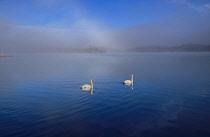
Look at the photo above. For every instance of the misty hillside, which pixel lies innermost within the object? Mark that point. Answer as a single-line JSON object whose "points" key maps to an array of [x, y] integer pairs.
{"points": [[193, 47], [97, 49], [182, 48]]}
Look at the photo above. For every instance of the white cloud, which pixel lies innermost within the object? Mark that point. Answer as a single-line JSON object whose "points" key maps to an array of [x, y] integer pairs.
{"points": [[207, 5], [191, 5]]}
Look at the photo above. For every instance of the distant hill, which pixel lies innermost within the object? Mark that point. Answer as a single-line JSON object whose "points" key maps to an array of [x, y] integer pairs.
{"points": [[182, 48], [192, 47], [97, 49]]}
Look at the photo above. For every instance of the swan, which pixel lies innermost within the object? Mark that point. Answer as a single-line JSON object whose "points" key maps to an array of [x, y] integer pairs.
{"points": [[128, 82], [87, 86]]}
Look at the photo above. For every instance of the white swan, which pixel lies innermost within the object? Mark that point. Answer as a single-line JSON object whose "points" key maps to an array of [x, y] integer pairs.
{"points": [[87, 86], [128, 82]]}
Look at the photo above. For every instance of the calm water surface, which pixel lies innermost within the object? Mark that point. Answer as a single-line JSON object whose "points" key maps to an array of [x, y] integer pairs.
{"points": [[40, 95]]}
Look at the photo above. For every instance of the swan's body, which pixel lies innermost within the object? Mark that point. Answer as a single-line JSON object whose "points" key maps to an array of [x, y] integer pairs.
{"points": [[87, 86], [129, 82]]}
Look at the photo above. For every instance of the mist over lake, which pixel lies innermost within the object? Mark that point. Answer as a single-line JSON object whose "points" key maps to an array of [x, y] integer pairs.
{"points": [[40, 95]]}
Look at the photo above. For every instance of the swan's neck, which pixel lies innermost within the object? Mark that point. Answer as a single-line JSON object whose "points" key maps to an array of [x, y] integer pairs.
{"points": [[91, 83], [132, 78]]}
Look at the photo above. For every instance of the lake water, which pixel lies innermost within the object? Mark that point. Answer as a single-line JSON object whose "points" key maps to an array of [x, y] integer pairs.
{"points": [[40, 95]]}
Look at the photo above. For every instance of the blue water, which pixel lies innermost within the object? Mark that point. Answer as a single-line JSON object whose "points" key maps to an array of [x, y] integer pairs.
{"points": [[40, 95]]}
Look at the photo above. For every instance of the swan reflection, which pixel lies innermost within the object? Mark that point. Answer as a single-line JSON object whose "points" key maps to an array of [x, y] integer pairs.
{"points": [[129, 84], [88, 89]]}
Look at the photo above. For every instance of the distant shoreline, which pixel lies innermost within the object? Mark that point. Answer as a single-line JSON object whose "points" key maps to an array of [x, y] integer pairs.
{"points": [[140, 49]]}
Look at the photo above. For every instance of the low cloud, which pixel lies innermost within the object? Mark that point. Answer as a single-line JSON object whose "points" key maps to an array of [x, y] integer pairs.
{"points": [[31, 38]]}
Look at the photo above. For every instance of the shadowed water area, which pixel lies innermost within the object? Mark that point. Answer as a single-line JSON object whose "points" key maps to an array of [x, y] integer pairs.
{"points": [[40, 95]]}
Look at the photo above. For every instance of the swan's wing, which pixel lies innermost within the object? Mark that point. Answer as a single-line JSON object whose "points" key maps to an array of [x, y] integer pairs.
{"points": [[127, 81]]}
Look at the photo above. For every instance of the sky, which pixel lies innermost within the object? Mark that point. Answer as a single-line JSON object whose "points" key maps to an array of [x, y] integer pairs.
{"points": [[61, 25]]}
